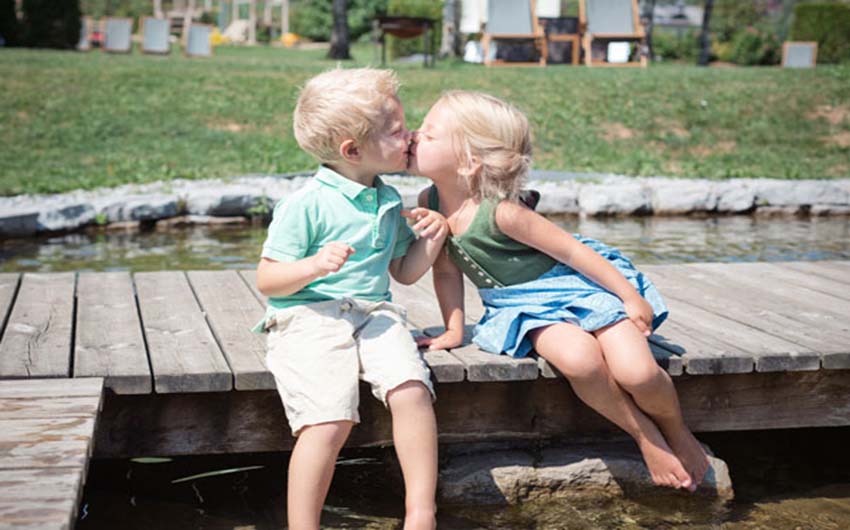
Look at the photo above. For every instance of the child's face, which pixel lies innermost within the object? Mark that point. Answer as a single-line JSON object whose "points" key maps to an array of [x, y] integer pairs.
{"points": [[433, 154], [387, 152]]}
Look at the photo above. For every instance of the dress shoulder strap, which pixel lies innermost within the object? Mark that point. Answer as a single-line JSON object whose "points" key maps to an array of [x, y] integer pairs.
{"points": [[433, 198]]}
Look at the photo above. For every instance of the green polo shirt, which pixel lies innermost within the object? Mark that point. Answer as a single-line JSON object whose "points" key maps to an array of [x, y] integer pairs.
{"points": [[331, 207]]}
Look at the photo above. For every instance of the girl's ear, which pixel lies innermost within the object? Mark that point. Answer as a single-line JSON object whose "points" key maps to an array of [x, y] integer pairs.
{"points": [[471, 168], [349, 151]]}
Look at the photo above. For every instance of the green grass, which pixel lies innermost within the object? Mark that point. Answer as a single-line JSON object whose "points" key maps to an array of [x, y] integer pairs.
{"points": [[82, 120]]}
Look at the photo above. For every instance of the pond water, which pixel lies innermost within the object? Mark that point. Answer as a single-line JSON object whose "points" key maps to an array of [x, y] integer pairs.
{"points": [[646, 240], [784, 480]]}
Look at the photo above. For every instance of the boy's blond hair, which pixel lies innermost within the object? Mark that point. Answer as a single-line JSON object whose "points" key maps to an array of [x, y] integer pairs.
{"points": [[497, 135], [342, 104]]}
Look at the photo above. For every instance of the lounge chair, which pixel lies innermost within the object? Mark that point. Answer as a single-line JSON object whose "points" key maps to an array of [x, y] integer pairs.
{"points": [[799, 54], [512, 20], [611, 20], [155, 33], [198, 40], [118, 33]]}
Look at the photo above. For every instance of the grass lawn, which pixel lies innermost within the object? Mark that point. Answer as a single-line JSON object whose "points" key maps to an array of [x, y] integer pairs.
{"points": [[82, 120]]}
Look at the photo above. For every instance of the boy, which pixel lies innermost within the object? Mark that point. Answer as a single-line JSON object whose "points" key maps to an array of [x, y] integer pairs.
{"points": [[324, 267]]}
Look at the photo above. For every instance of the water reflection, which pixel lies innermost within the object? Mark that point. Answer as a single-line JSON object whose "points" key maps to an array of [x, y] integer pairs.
{"points": [[646, 240]]}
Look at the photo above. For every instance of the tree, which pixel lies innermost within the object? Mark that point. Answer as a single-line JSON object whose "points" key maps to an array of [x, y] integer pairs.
{"points": [[8, 23], [51, 23], [450, 43], [704, 39], [339, 34]]}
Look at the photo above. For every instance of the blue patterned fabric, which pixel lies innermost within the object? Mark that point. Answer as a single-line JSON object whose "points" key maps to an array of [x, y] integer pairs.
{"points": [[559, 295]]}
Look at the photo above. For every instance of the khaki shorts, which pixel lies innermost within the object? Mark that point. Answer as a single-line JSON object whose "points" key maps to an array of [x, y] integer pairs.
{"points": [[318, 352]]}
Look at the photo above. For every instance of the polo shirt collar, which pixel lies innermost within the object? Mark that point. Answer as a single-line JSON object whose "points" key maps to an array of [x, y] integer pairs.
{"points": [[346, 186]]}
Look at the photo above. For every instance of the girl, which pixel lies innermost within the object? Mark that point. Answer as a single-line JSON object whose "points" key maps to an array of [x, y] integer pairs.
{"points": [[578, 303]]}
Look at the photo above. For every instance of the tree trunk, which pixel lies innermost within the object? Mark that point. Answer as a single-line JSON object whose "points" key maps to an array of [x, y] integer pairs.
{"points": [[704, 39], [187, 21], [252, 22], [284, 17], [339, 35], [450, 43], [157, 9], [649, 16]]}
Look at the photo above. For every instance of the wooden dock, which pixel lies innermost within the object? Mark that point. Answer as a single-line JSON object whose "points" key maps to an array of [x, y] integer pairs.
{"points": [[46, 435], [750, 346]]}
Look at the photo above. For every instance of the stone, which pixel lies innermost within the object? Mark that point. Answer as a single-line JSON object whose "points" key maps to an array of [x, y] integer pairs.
{"points": [[16, 224], [799, 193], [557, 197], [734, 197], [511, 476], [675, 197], [141, 208], [625, 197]]}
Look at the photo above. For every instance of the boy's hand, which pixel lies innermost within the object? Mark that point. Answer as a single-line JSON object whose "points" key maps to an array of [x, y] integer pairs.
{"points": [[429, 223], [331, 257], [639, 312], [449, 339]]}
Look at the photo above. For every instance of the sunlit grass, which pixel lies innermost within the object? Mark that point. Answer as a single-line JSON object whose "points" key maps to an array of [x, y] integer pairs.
{"points": [[81, 120]]}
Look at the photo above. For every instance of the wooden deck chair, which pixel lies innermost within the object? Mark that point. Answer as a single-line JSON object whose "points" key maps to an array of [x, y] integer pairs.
{"points": [[198, 40], [155, 33], [799, 54], [512, 20], [117, 35], [610, 20]]}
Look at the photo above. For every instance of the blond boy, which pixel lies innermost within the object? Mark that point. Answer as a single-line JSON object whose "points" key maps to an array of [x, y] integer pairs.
{"points": [[331, 248]]}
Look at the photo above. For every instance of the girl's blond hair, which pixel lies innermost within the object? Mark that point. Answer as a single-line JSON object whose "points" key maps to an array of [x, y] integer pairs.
{"points": [[495, 134], [342, 104]]}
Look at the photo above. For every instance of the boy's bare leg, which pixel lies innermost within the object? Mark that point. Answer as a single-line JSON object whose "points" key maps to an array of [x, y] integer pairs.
{"points": [[311, 468], [415, 438], [578, 356], [631, 363]]}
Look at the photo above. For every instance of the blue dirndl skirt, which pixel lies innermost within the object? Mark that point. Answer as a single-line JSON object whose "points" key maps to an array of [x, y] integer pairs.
{"points": [[559, 295]]}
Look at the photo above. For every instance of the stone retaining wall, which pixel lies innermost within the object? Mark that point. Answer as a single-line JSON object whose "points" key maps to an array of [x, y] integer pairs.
{"points": [[562, 193]]}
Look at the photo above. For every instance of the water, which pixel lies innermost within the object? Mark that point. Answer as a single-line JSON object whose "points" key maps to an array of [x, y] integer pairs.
{"points": [[784, 480], [646, 240]]}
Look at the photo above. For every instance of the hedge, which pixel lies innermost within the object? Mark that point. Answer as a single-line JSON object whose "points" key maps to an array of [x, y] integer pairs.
{"points": [[829, 25]]}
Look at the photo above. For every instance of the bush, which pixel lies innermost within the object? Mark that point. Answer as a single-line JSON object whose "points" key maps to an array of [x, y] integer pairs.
{"points": [[829, 25], [51, 23], [8, 23], [672, 47], [755, 46], [414, 8]]}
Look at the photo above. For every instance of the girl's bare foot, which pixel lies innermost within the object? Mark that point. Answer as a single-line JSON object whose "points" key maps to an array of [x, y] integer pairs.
{"points": [[690, 453], [664, 467]]}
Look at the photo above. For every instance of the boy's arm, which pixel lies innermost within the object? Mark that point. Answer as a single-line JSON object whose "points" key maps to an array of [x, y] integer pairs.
{"points": [[276, 278], [432, 228]]}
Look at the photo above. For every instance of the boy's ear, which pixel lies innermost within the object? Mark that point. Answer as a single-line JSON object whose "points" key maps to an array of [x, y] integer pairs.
{"points": [[349, 151]]}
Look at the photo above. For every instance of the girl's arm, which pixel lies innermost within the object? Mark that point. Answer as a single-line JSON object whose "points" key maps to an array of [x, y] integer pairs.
{"points": [[536, 231], [448, 284]]}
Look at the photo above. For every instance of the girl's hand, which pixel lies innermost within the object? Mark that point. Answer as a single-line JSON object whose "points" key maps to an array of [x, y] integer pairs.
{"points": [[331, 257], [449, 339], [640, 312], [429, 223]]}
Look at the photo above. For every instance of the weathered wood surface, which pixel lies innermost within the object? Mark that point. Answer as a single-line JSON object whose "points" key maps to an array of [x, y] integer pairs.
{"points": [[47, 431], [544, 408], [37, 340], [109, 341], [189, 332], [183, 352]]}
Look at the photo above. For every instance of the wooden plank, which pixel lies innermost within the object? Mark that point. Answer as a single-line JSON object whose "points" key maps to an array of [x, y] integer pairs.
{"points": [[807, 280], [109, 340], [183, 353], [422, 309], [57, 388], [8, 289], [838, 271], [46, 442], [779, 284], [250, 278], [232, 310], [715, 344], [48, 407], [40, 498], [757, 308], [37, 340], [543, 408]]}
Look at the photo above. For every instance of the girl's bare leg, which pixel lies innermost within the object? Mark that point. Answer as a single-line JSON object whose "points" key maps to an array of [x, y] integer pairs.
{"points": [[631, 363], [578, 356], [415, 438], [311, 468]]}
